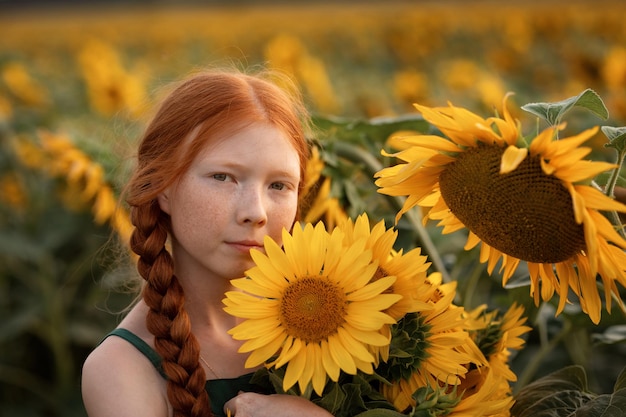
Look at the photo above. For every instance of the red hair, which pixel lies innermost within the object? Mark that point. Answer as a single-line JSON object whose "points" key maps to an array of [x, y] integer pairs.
{"points": [[207, 104]]}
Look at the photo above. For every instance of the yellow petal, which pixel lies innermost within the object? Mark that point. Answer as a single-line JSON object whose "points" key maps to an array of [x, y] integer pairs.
{"points": [[263, 353], [340, 356], [331, 367], [295, 368], [357, 349], [511, 158], [319, 374]]}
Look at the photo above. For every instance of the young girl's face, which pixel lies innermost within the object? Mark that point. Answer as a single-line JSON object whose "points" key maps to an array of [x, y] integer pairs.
{"points": [[239, 189]]}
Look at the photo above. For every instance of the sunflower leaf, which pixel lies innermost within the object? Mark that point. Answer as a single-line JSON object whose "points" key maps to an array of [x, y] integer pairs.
{"points": [[616, 136], [553, 112], [620, 383], [560, 393], [333, 400], [606, 405]]}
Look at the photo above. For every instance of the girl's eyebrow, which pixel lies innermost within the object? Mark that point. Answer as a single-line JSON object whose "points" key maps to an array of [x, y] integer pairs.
{"points": [[237, 165]]}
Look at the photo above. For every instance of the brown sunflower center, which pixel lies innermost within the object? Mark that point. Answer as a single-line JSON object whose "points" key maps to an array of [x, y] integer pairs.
{"points": [[312, 309], [525, 213]]}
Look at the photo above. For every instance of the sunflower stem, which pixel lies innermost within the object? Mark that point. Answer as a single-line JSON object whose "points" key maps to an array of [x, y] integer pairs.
{"points": [[472, 283], [546, 348], [610, 191], [308, 391], [372, 166]]}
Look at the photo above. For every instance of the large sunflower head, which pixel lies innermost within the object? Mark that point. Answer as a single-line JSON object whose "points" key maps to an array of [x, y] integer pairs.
{"points": [[521, 203], [312, 306]]}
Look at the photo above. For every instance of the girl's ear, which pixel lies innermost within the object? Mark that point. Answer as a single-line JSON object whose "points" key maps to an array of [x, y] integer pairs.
{"points": [[164, 201]]}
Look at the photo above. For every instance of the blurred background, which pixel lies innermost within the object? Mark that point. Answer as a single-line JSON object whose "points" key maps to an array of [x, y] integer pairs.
{"points": [[77, 82]]}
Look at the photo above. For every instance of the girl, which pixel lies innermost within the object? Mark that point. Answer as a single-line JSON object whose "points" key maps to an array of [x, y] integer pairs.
{"points": [[219, 167]]}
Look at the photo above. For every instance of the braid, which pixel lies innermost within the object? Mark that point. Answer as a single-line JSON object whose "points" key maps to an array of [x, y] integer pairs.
{"points": [[167, 319]]}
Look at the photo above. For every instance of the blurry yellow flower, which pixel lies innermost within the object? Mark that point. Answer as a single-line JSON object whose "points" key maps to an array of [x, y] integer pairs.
{"points": [[289, 54], [460, 74], [110, 86], [527, 204], [314, 168], [315, 200], [325, 208], [29, 154], [410, 86], [86, 183], [6, 110], [613, 68], [23, 86], [313, 304], [490, 89], [12, 191]]}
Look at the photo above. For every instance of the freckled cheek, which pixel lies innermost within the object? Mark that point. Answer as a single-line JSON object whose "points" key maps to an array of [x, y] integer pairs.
{"points": [[200, 215], [282, 217]]}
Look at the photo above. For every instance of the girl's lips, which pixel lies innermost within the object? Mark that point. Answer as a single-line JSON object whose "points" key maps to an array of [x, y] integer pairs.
{"points": [[245, 246]]}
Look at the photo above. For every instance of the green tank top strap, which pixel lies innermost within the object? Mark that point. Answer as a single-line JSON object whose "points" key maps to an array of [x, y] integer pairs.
{"points": [[141, 346], [219, 390]]}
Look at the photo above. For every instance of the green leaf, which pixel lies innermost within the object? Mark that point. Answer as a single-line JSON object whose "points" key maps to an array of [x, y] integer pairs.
{"points": [[333, 400], [620, 383], [616, 136], [565, 390], [553, 112], [606, 405], [362, 131]]}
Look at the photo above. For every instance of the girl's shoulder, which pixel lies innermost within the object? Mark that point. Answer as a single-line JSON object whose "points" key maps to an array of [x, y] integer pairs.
{"points": [[118, 378]]}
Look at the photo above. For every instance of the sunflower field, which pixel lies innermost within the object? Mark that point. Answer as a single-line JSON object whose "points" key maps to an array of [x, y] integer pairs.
{"points": [[494, 82]]}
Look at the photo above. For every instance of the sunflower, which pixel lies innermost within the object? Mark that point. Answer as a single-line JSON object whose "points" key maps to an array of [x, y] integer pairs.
{"points": [[311, 306], [316, 202], [410, 270], [521, 203], [429, 348], [484, 393], [498, 334]]}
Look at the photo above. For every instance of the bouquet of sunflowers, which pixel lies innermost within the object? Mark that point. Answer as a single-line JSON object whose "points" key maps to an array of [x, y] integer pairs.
{"points": [[341, 316]]}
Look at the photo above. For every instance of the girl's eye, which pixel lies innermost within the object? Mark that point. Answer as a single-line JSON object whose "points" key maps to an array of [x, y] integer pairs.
{"points": [[220, 177], [278, 186]]}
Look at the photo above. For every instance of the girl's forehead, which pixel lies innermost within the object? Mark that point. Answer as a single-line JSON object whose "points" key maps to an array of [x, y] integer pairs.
{"points": [[252, 142]]}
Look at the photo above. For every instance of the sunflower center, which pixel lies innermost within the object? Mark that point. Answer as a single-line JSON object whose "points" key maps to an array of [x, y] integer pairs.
{"points": [[525, 213], [312, 309]]}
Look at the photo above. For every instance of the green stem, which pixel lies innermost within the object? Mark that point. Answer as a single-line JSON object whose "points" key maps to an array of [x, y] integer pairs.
{"points": [[610, 191], [472, 283], [531, 367], [373, 165]]}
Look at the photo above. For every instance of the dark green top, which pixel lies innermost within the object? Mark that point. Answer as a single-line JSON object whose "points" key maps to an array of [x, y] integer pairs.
{"points": [[219, 390]]}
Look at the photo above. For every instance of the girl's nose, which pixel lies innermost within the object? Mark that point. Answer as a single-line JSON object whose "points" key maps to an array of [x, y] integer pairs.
{"points": [[251, 207]]}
